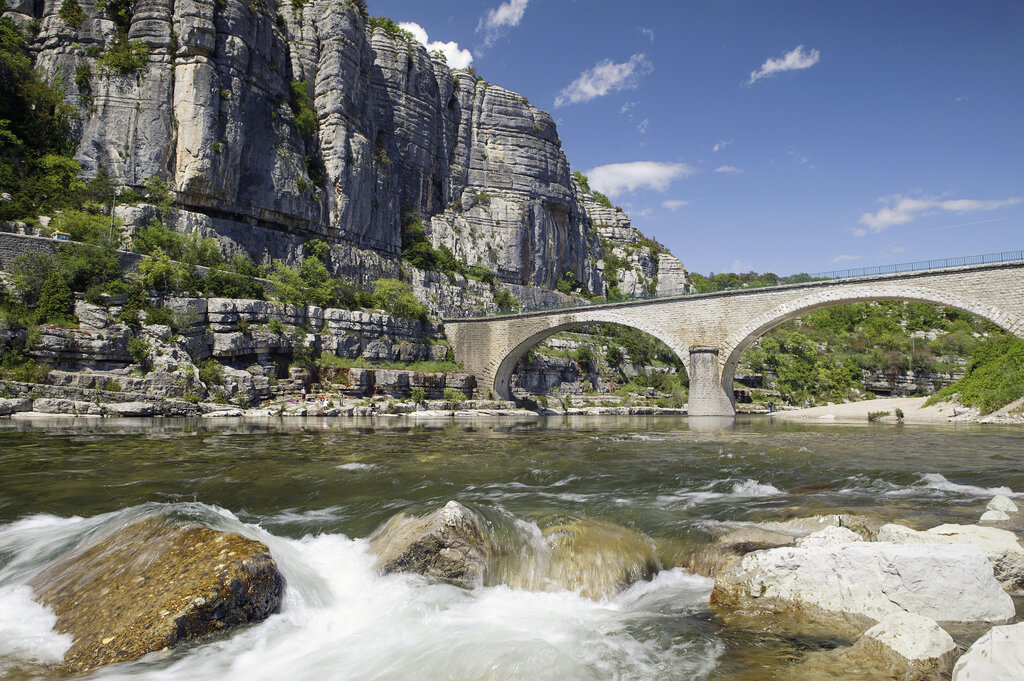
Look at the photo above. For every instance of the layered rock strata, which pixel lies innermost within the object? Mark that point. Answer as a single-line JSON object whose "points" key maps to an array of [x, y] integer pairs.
{"points": [[276, 124]]}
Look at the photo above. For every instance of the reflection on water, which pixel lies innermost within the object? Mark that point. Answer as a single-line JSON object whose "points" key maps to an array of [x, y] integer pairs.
{"points": [[314, 489]]}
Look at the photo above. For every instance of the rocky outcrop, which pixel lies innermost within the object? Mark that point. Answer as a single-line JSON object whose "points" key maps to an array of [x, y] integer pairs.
{"points": [[450, 545], [1002, 547], [996, 656], [273, 124], [153, 584], [857, 584]]}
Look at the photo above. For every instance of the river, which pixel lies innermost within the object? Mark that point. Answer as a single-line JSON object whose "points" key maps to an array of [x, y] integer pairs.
{"points": [[313, 490]]}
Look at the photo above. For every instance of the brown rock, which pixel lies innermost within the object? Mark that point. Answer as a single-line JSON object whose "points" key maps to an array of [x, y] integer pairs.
{"points": [[451, 545], [155, 583]]}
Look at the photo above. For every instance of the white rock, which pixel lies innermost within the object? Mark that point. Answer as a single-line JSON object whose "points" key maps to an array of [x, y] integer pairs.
{"points": [[1002, 503], [914, 637], [994, 517], [869, 580], [830, 536], [1002, 547], [996, 656]]}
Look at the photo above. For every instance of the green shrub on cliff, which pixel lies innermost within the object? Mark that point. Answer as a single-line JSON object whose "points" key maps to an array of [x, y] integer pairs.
{"points": [[396, 297]]}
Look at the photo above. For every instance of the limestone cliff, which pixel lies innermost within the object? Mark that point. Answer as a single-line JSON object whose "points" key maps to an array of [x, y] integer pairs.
{"points": [[276, 124]]}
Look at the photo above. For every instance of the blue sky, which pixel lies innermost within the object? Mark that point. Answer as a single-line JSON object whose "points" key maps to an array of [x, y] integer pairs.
{"points": [[772, 136]]}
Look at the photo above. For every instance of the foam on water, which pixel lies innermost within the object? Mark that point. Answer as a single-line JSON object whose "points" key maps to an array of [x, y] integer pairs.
{"points": [[26, 628], [340, 619], [743, 488]]}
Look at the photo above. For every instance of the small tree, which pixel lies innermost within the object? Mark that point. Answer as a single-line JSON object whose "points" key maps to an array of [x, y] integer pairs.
{"points": [[56, 302]]}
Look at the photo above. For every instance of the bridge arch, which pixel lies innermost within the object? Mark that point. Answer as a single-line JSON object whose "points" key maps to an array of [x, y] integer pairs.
{"points": [[531, 336], [740, 340]]}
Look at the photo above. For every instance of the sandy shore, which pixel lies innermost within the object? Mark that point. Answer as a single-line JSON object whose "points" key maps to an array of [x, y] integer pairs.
{"points": [[913, 408]]}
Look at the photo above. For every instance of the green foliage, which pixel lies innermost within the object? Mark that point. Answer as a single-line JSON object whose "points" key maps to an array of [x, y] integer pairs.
{"points": [[275, 326], [396, 297], [601, 199], [305, 116], [439, 55], [124, 56], [211, 372], [158, 193], [877, 415], [505, 301], [391, 28], [583, 180], [418, 252], [160, 273], [418, 395], [732, 280], [454, 396], [56, 302], [138, 350], [120, 12], [994, 377], [35, 135], [71, 13], [482, 273], [82, 226]]}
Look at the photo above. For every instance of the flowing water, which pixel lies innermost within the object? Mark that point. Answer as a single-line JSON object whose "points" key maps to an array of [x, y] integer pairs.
{"points": [[314, 490]]}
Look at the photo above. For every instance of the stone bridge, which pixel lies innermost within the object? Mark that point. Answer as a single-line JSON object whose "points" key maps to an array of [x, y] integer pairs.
{"points": [[710, 332]]}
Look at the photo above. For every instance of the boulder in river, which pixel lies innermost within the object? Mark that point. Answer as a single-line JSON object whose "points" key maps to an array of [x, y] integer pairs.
{"points": [[736, 540], [155, 583], [1001, 546], [996, 656], [598, 558], [1002, 503], [858, 584], [901, 646], [450, 545]]}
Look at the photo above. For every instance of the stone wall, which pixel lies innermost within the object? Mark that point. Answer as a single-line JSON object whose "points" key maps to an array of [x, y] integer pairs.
{"points": [[13, 246]]}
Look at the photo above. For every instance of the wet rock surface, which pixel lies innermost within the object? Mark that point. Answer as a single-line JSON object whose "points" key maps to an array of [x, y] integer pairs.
{"points": [[450, 545], [153, 584]]}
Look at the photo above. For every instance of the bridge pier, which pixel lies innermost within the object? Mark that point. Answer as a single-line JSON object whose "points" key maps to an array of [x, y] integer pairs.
{"points": [[708, 395]]}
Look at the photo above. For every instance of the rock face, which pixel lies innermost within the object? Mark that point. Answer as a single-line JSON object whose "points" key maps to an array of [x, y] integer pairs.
{"points": [[1001, 546], [862, 582], [153, 584], [274, 124], [996, 656], [450, 545]]}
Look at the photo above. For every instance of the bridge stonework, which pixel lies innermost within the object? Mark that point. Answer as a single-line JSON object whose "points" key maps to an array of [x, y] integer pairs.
{"points": [[710, 332]]}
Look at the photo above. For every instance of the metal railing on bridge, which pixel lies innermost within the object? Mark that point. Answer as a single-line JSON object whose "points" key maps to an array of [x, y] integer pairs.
{"points": [[918, 266]]}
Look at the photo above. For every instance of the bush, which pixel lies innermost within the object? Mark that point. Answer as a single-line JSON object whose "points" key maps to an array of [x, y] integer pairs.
{"points": [[139, 349], [124, 56], [454, 396], [418, 395], [56, 302], [505, 301], [211, 372], [396, 297], [71, 12]]}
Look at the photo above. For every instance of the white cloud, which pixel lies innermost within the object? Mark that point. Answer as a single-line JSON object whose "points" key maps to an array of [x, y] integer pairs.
{"points": [[902, 209], [642, 126], [794, 60], [721, 144], [845, 258], [457, 58], [674, 204], [645, 213], [799, 157], [606, 77], [649, 32], [625, 108], [728, 169], [498, 20], [739, 267], [615, 178]]}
